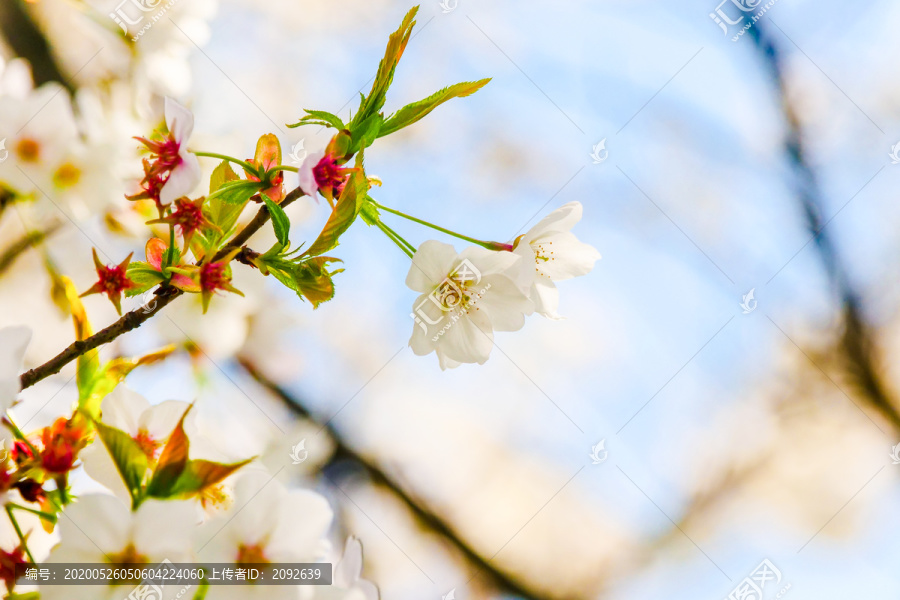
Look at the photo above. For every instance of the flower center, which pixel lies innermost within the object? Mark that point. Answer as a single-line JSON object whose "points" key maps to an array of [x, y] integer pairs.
{"points": [[327, 173], [251, 555], [28, 149], [214, 497], [212, 276], [128, 556], [149, 446], [114, 279], [168, 153], [67, 175], [542, 254]]}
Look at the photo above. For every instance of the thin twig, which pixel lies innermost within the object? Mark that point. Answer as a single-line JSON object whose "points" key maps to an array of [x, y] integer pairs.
{"points": [[134, 319], [343, 452]]}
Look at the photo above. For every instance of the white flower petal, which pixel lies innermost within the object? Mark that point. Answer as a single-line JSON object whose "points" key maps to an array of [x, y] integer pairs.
{"points": [[123, 408], [162, 529], [182, 180], [570, 257], [96, 525], [467, 340], [562, 219], [546, 299], [307, 180], [160, 420], [13, 342], [504, 303], [431, 264], [179, 120]]}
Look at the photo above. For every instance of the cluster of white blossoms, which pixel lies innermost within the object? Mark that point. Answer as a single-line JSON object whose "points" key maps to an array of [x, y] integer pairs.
{"points": [[467, 296], [249, 518]]}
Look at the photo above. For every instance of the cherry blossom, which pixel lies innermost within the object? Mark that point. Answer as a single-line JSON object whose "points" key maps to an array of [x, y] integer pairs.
{"points": [[171, 156], [464, 298], [551, 252]]}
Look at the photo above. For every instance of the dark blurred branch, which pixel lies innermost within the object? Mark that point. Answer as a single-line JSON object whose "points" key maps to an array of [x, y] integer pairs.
{"points": [[26, 39], [18, 247], [431, 520], [856, 344]]}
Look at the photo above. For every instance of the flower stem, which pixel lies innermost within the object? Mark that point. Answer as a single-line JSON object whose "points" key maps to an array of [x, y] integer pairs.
{"points": [[285, 168], [236, 161], [42, 514], [18, 529], [482, 243], [401, 243]]}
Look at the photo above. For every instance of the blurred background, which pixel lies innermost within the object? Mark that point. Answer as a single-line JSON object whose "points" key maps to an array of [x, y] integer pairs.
{"points": [[733, 350]]}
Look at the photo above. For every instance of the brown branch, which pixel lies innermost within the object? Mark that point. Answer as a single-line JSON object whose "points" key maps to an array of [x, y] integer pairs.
{"points": [[431, 520], [134, 319]]}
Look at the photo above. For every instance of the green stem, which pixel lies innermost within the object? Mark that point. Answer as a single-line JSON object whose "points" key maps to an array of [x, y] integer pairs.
{"points": [[285, 168], [21, 436], [167, 254], [399, 237], [18, 529], [482, 243], [236, 161], [394, 238], [43, 514]]}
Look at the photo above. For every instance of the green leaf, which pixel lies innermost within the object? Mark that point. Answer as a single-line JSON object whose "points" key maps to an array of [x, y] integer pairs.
{"points": [[314, 280], [411, 113], [280, 222], [286, 278], [114, 372], [365, 133], [172, 461], [385, 75], [199, 475], [320, 117], [220, 213], [128, 457], [369, 212], [236, 192], [144, 276], [221, 175], [344, 213]]}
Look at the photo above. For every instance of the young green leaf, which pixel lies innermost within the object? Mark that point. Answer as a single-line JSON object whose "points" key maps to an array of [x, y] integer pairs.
{"points": [[280, 222], [365, 133], [411, 113], [172, 461], [199, 475], [143, 276], [110, 375], [397, 41], [236, 192], [344, 213], [130, 460], [314, 280], [320, 117]]}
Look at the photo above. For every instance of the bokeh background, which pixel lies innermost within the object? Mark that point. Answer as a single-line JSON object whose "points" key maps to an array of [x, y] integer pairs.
{"points": [[733, 436]]}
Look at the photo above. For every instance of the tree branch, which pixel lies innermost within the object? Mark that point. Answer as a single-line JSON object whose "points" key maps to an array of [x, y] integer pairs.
{"points": [[431, 520], [856, 343], [135, 318]]}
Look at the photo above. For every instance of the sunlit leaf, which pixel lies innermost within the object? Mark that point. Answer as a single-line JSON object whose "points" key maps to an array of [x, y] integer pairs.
{"points": [[321, 118], [314, 280], [280, 222], [130, 460], [373, 103], [172, 461], [344, 213], [111, 374], [198, 475], [411, 113]]}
